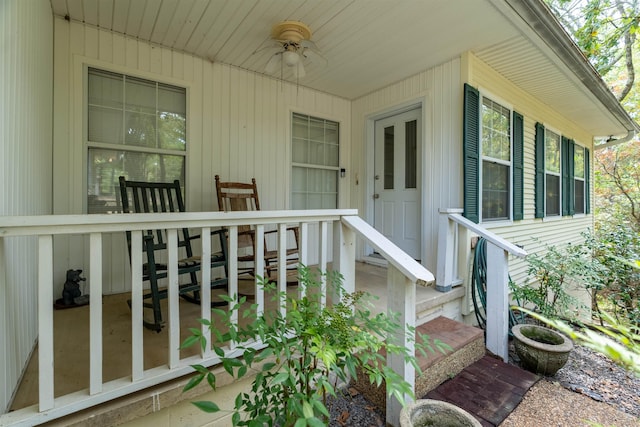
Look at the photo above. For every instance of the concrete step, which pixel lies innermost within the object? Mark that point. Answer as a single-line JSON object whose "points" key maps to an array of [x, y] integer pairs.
{"points": [[467, 343]]}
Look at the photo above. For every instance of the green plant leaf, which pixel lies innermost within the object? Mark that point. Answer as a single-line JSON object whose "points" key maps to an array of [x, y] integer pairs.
{"points": [[194, 381], [189, 341], [206, 406], [315, 422]]}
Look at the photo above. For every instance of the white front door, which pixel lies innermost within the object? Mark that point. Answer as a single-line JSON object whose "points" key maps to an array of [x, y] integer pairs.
{"points": [[397, 176]]}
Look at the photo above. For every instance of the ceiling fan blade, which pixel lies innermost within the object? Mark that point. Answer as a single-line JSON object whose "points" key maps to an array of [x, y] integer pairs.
{"points": [[298, 70], [272, 65], [314, 56], [271, 45]]}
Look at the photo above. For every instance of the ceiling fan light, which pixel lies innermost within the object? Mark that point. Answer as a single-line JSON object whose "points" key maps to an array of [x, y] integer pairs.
{"points": [[290, 58]]}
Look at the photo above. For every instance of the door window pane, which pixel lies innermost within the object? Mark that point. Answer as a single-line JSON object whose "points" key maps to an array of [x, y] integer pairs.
{"points": [[411, 154], [389, 158]]}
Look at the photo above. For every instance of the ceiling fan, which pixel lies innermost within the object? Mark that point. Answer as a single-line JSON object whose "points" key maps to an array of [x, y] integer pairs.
{"points": [[293, 47]]}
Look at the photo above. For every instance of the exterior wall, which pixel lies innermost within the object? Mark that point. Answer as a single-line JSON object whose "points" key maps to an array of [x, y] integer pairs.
{"points": [[26, 92], [531, 233], [440, 92], [238, 126]]}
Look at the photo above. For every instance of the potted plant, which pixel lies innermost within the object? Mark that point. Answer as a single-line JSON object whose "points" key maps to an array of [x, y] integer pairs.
{"points": [[546, 291], [308, 351], [430, 412]]}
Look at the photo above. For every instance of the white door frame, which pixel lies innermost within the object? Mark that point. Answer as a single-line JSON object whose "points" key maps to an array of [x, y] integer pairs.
{"points": [[369, 146]]}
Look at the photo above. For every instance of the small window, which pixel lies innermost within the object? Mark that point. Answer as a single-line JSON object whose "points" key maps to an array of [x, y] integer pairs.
{"points": [[136, 128], [496, 160], [552, 173], [579, 179], [315, 163]]}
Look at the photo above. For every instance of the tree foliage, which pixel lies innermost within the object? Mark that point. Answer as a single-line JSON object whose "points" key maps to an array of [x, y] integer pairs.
{"points": [[606, 31]]}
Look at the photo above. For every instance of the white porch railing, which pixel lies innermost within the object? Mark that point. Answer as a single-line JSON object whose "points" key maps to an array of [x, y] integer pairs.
{"points": [[403, 274], [453, 235]]}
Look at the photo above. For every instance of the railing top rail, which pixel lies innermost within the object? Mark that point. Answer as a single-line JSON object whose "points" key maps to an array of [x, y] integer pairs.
{"points": [[491, 237], [396, 256], [79, 224]]}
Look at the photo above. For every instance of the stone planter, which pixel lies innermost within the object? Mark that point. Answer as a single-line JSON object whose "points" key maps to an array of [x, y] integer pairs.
{"points": [[429, 412], [541, 350]]}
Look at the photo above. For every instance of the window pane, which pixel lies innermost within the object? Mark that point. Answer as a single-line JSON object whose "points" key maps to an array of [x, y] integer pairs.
{"points": [[140, 95], [411, 154], [315, 154], [138, 113], [388, 157], [496, 130], [552, 152], [105, 89], [495, 191], [552, 194], [105, 166], [140, 129], [579, 196], [105, 125], [578, 162], [172, 131]]}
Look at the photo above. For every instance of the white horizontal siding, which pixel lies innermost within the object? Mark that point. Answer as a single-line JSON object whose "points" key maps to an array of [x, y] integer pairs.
{"points": [[25, 173], [238, 126]]}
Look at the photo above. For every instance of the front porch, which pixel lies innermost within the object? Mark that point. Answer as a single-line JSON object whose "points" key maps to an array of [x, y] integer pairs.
{"points": [[71, 346], [101, 353]]}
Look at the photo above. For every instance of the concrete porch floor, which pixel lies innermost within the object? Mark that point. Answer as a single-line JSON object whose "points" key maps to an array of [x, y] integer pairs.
{"points": [[71, 335]]}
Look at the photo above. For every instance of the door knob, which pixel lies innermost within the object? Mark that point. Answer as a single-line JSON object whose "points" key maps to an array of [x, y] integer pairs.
{"points": [[376, 196], [377, 177]]}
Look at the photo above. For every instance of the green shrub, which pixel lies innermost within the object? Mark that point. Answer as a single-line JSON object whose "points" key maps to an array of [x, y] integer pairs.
{"points": [[612, 245], [551, 274], [308, 350]]}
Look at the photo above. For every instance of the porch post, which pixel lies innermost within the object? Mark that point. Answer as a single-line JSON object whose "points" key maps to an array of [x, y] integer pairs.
{"points": [[45, 322], [401, 292], [344, 256], [497, 301], [446, 250]]}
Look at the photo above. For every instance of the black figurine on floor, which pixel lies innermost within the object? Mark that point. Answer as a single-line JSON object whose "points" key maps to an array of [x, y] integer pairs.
{"points": [[72, 287]]}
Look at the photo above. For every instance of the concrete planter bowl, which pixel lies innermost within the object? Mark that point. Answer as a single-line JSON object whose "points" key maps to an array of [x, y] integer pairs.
{"points": [[541, 350], [429, 412]]}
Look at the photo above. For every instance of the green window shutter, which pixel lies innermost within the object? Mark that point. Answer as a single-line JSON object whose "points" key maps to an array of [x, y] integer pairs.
{"points": [[471, 153], [518, 166], [564, 161], [587, 178], [539, 177], [572, 168]]}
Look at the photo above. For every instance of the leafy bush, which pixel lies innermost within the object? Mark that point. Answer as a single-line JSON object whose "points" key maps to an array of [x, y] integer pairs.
{"points": [[612, 245], [550, 275], [308, 350]]}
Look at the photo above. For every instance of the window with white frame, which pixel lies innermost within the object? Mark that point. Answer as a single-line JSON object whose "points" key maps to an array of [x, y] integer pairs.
{"points": [[496, 160], [552, 173], [315, 162], [136, 128], [579, 179]]}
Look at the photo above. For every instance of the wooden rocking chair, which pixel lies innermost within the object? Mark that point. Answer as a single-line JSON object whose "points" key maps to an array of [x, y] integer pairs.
{"points": [[238, 196], [146, 197]]}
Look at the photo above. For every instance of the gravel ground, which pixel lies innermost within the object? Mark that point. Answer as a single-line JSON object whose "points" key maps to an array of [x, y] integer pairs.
{"points": [[589, 389]]}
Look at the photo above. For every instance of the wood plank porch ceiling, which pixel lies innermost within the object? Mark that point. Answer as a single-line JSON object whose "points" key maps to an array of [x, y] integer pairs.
{"points": [[369, 44]]}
